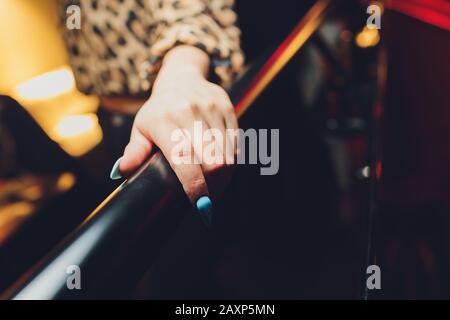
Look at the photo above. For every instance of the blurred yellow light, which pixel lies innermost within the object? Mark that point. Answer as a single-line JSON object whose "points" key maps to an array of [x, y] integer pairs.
{"points": [[367, 38], [47, 85], [65, 181], [72, 126], [32, 193], [11, 216], [77, 134]]}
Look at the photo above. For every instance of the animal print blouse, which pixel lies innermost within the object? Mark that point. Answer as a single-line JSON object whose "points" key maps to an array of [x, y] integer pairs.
{"points": [[119, 48]]}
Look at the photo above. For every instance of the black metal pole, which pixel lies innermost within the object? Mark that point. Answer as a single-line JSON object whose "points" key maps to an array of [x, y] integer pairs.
{"points": [[115, 245]]}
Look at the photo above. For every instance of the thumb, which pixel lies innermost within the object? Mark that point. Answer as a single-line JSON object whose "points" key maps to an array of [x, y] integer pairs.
{"points": [[135, 154]]}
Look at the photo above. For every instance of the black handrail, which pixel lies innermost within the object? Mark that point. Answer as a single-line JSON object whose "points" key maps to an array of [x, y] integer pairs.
{"points": [[117, 243], [125, 233]]}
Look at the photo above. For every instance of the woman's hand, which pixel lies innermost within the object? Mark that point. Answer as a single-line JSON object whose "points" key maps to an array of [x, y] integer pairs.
{"points": [[181, 96]]}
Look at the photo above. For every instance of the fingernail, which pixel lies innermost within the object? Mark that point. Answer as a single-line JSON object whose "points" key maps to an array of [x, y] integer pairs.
{"points": [[204, 207], [115, 173]]}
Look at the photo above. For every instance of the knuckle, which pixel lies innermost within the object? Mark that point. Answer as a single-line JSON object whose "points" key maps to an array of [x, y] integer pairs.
{"points": [[217, 88], [185, 106], [228, 107], [167, 116], [222, 93], [194, 186], [210, 106], [194, 107]]}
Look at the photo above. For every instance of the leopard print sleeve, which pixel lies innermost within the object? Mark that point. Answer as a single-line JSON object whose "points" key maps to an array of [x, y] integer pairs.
{"points": [[205, 24]]}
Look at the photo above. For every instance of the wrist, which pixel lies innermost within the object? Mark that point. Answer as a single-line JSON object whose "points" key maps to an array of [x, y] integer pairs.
{"points": [[184, 58], [178, 75]]}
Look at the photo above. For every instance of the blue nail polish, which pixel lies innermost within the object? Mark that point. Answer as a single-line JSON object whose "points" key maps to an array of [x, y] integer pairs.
{"points": [[204, 206], [115, 173]]}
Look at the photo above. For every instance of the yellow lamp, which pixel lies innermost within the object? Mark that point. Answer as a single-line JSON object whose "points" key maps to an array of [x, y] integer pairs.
{"points": [[34, 70]]}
